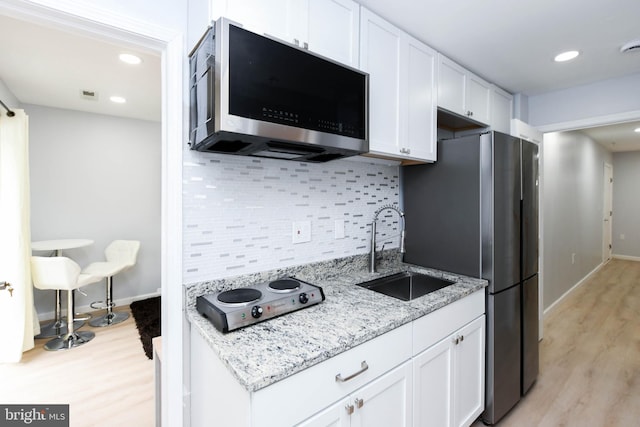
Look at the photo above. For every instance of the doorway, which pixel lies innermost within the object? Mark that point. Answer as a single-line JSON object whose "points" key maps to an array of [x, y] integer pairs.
{"points": [[169, 44]]}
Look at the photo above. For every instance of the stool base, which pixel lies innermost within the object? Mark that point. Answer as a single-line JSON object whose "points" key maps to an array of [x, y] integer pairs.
{"points": [[69, 341], [57, 329], [109, 319]]}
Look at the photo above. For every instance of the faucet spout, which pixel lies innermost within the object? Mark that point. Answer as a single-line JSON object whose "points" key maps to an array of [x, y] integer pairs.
{"points": [[372, 253]]}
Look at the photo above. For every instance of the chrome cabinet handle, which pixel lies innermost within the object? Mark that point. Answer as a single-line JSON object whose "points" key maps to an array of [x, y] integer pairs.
{"points": [[363, 367], [349, 409], [359, 403]]}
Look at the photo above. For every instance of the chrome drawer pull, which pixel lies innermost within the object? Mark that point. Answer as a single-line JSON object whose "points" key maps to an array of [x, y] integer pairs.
{"points": [[363, 367]]}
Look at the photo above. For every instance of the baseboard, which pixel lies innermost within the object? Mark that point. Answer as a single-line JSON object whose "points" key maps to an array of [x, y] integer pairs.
{"points": [[574, 287], [626, 257], [87, 308]]}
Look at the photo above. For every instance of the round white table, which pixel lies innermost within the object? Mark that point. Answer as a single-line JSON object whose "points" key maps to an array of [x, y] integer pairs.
{"points": [[58, 327], [59, 245]]}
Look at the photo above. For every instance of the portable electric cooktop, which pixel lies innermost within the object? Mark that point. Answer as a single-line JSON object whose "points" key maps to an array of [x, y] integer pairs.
{"points": [[240, 307]]}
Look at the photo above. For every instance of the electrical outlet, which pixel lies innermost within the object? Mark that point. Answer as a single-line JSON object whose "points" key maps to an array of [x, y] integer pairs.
{"points": [[622, 236], [573, 258], [301, 232], [339, 229]]}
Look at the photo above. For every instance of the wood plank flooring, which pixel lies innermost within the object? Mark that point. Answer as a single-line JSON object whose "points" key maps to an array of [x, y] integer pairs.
{"points": [[589, 357], [107, 382]]}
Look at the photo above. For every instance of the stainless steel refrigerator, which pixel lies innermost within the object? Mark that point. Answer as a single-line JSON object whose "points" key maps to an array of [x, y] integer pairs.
{"points": [[475, 212]]}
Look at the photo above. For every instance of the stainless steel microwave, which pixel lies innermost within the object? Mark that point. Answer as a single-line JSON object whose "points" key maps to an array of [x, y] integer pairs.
{"points": [[254, 95]]}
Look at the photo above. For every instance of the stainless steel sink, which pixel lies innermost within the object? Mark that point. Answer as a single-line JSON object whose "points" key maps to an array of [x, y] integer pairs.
{"points": [[407, 285]]}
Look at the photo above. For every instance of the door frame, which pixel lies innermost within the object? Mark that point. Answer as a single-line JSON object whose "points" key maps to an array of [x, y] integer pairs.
{"points": [[105, 24], [607, 213]]}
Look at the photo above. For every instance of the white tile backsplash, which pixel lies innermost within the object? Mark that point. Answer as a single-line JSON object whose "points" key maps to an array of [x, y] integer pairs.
{"points": [[239, 212]]}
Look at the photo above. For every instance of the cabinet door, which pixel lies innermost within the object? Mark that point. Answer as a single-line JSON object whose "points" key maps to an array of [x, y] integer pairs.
{"points": [[385, 401], [420, 93], [501, 106], [451, 85], [432, 392], [337, 415], [281, 19], [380, 57], [478, 99], [333, 30], [468, 373]]}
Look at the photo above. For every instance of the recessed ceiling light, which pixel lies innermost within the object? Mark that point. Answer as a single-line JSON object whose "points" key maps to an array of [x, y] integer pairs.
{"points": [[130, 58], [566, 56], [118, 99], [637, 130]]}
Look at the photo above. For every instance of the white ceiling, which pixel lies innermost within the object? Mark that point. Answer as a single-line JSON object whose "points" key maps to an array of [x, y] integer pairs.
{"points": [[49, 67], [510, 43]]}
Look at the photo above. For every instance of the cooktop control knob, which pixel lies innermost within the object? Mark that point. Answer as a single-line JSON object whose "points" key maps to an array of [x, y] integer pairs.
{"points": [[304, 298], [256, 311]]}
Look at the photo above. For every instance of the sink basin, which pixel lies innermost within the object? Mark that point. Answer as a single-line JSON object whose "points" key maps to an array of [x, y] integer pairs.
{"points": [[407, 285]]}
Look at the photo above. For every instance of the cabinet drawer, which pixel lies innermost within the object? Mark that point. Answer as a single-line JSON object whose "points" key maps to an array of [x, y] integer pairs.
{"points": [[316, 388], [431, 328]]}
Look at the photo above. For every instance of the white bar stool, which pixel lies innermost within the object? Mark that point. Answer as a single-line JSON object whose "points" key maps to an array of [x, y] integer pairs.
{"points": [[121, 255], [62, 273]]}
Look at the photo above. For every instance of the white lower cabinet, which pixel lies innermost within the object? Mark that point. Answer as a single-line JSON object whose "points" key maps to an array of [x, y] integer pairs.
{"points": [[427, 372], [449, 379], [386, 401]]}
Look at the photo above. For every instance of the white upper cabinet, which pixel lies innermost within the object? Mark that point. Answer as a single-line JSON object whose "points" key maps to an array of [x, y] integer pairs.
{"points": [[326, 27], [334, 30], [462, 92], [452, 83], [421, 94], [402, 90], [380, 57], [501, 109], [478, 99]]}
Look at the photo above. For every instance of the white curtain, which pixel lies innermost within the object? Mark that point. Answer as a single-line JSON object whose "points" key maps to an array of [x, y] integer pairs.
{"points": [[18, 321]]}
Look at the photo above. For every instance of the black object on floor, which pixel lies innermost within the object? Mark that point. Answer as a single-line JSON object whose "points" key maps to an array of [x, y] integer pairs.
{"points": [[146, 313]]}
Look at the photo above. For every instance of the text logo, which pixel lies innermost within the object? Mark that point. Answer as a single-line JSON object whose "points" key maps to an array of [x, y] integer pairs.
{"points": [[34, 415]]}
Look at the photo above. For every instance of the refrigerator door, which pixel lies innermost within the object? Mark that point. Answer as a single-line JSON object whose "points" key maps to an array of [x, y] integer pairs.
{"points": [[441, 205], [506, 212], [530, 353], [529, 209], [503, 354]]}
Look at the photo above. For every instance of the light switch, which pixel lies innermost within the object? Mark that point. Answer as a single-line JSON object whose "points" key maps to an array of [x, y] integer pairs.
{"points": [[301, 231]]}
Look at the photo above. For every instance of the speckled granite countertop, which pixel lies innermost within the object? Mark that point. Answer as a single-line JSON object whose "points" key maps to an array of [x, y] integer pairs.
{"points": [[264, 353]]}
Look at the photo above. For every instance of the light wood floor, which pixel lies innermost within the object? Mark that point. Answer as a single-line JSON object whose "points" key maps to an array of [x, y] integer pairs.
{"points": [[107, 382], [589, 357]]}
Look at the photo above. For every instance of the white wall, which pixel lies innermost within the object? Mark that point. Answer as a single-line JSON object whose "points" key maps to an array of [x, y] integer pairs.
{"points": [[626, 204], [238, 212], [572, 203], [98, 177], [594, 101]]}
